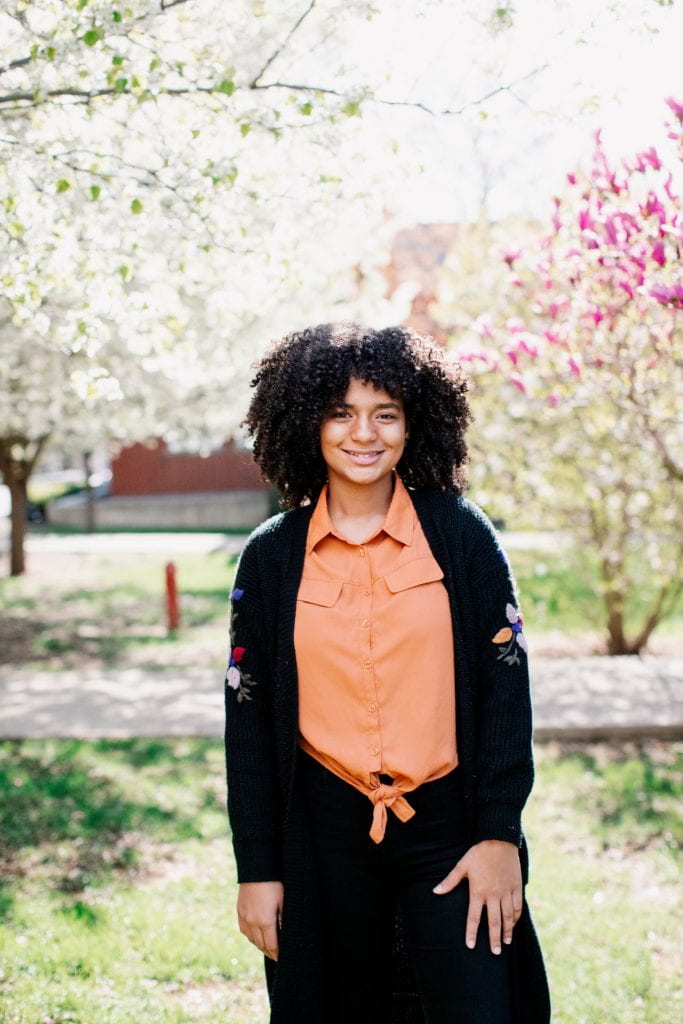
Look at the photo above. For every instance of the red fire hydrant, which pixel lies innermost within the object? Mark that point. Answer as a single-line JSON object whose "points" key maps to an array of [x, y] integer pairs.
{"points": [[172, 610]]}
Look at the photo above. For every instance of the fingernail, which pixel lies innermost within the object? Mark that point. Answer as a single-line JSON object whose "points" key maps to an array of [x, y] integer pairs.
{"points": [[496, 949], [470, 943], [438, 888], [507, 941]]}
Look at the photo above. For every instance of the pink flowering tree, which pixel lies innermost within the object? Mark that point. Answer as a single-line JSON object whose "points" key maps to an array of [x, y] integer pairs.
{"points": [[577, 358]]}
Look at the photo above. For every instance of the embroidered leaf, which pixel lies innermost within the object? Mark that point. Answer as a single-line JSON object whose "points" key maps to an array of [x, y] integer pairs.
{"points": [[521, 640], [503, 635]]}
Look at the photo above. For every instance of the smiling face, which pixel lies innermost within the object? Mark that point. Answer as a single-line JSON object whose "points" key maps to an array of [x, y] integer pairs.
{"points": [[363, 438]]}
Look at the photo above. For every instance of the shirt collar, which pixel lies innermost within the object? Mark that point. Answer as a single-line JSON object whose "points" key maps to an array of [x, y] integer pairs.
{"points": [[399, 522]]}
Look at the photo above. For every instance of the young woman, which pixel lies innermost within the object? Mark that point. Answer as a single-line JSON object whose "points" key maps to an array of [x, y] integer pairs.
{"points": [[378, 719]]}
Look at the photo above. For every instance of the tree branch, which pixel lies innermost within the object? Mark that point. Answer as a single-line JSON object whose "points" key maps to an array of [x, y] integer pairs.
{"points": [[255, 82]]}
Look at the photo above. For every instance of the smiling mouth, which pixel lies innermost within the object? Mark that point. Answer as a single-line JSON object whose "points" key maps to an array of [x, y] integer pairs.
{"points": [[363, 456]]}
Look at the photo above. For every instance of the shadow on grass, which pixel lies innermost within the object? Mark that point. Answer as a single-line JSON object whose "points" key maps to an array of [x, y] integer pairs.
{"points": [[77, 811], [632, 791]]}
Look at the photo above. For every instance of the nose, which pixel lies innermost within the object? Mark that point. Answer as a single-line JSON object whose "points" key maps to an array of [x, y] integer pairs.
{"points": [[363, 428]]}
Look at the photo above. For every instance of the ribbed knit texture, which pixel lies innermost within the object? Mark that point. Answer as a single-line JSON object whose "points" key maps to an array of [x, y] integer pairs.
{"points": [[494, 734]]}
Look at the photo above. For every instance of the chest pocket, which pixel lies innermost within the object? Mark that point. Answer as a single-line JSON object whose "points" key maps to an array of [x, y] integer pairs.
{"points": [[321, 592], [412, 574]]}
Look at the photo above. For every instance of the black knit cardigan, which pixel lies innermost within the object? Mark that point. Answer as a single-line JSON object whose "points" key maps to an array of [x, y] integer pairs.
{"points": [[270, 834]]}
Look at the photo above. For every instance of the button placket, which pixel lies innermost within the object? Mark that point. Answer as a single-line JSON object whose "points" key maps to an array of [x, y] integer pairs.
{"points": [[371, 703]]}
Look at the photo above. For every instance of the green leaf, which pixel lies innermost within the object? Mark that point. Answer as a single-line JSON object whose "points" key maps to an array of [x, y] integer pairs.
{"points": [[124, 271], [245, 128], [306, 108], [92, 36], [351, 109], [136, 206], [35, 49], [95, 191], [120, 84], [81, 4], [50, 52], [154, 64], [117, 17], [117, 60], [227, 86], [63, 185]]}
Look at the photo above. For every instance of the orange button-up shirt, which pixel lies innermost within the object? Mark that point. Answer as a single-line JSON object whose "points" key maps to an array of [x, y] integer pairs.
{"points": [[374, 650]]}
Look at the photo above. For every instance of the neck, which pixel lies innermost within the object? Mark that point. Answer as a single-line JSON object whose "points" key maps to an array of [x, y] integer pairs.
{"points": [[358, 501]]}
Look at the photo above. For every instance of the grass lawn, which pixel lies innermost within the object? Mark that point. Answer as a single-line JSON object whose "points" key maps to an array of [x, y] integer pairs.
{"points": [[117, 901], [72, 610]]}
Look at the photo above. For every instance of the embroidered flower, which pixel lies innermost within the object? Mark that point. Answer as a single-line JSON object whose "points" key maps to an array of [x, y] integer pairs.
{"points": [[235, 677], [511, 636]]}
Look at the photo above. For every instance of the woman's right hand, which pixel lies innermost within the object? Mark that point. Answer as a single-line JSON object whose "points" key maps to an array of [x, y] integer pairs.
{"points": [[259, 912]]}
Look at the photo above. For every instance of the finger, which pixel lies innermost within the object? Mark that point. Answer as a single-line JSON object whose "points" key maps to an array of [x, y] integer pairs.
{"points": [[493, 914], [270, 944], [452, 879], [517, 903], [508, 917], [473, 919]]}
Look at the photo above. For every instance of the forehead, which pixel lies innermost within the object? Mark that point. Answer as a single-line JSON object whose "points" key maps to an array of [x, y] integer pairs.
{"points": [[360, 392]]}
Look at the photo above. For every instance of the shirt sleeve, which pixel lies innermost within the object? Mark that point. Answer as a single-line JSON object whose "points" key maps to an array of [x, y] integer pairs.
{"points": [[253, 792], [504, 770]]}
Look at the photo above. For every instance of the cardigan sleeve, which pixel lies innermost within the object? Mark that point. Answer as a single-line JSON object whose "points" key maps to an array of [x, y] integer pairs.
{"points": [[253, 797], [504, 770]]}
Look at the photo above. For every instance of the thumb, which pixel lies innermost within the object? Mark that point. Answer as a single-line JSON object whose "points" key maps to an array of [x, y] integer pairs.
{"points": [[452, 879]]}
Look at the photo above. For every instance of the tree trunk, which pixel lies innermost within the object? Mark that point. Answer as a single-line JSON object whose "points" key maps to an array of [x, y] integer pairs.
{"points": [[89, 495], [17, 488], [18, 457]]}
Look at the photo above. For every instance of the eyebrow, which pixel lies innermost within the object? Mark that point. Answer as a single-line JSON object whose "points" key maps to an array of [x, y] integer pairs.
{"points": [[380, 405]]}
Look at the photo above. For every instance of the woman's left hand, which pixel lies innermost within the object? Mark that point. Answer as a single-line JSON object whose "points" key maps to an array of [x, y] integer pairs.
{"points": [[495, 878]]}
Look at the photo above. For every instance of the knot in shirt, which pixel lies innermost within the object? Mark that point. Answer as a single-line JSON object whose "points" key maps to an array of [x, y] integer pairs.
{"points": [[383, 796]]}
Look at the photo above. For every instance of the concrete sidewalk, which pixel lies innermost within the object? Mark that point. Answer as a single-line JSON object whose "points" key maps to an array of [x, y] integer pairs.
{"points": [[574, 698]]}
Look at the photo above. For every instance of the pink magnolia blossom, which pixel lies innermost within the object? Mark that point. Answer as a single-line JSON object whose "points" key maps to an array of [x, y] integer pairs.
{"points": [[515, 325], [571, 178], [659, 253], [574, 367], [651, 157], [668, 295], [527, 344], [510, 255], [626, 287], [675, 107], [517, 382], [553, 399], [484, 326]]}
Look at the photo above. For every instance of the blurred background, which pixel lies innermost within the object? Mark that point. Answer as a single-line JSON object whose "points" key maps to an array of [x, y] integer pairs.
{"points": [[182, 182]]}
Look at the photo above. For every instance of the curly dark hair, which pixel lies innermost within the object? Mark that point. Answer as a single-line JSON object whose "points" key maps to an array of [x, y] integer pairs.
{"points": [[306, 373]]}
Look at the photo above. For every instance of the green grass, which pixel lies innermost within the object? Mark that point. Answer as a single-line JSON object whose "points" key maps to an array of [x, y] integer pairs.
{"points": [[117, 902], [108, 610]]}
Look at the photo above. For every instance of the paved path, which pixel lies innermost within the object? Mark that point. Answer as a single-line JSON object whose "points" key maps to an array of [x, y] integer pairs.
{"points": [[574, 698]]}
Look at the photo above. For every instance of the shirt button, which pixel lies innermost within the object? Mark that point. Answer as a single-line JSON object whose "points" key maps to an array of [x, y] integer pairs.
{"points": [[372, 707], [361, 552], [367, 664], [375, 751], [366, 593], [366, 622]]}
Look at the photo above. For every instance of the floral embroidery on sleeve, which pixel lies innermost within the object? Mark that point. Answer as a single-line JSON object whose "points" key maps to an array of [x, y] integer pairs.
{"points": [[511, 636], [235, 677]]}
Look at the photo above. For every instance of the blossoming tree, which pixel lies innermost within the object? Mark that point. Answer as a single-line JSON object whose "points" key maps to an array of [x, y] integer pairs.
{"points": [[580, 354], [167, 203]]}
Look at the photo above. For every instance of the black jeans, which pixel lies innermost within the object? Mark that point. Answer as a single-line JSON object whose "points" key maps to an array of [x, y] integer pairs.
{"points": [[361, 885]]}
